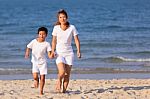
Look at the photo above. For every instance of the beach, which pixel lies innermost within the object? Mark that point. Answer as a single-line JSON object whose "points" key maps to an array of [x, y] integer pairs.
{"points": [[78, 89], [114, 36]]}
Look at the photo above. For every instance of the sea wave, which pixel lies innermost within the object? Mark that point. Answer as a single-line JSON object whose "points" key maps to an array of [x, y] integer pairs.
{"points": [[123, 59], [137, 53], [125, 28], [116, 59]]}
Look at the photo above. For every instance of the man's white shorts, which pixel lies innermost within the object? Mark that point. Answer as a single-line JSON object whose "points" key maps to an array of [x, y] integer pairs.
{"points": [[39, 68], [66, 59]]}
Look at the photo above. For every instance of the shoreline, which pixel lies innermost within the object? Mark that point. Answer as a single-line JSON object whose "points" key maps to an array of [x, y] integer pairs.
{"points": [[78, 89], [98, 76], [20, 71]]}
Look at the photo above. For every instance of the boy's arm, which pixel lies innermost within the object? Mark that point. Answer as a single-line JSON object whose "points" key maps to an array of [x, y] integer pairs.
{"points": [[77, 42], [49, 54], [27, 53]]}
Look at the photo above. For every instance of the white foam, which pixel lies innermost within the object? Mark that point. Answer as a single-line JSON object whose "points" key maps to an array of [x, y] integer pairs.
{"points": [[134, 60]]}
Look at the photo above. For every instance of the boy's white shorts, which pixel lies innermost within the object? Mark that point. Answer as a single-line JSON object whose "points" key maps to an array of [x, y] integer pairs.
{"points": [[39, 68], [66, 59]]}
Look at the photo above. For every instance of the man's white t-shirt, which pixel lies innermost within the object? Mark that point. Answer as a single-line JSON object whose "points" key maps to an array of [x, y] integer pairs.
{"points": [[64, 39], [39, 50]]}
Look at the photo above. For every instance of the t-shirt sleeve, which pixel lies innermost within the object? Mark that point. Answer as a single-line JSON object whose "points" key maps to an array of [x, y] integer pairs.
{"points": [[74, 31], [48, 47], [54, 32], [30, 45]]}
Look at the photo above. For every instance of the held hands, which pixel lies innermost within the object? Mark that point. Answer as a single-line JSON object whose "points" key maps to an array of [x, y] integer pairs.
{"points": [[53, 54]]}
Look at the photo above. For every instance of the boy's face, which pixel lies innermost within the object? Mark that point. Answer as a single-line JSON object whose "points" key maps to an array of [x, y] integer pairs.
{"points": [[42, 35]]}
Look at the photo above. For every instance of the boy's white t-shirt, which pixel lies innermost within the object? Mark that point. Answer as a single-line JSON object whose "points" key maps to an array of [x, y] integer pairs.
{"points": [[64, 39], [39, 50]]}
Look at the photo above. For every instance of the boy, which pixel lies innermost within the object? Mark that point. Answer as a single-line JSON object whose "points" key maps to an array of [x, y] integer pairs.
{"points": [[39, 48]]}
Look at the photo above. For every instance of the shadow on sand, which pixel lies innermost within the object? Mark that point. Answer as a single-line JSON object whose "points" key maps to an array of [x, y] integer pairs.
{"points": [[101, 90]]}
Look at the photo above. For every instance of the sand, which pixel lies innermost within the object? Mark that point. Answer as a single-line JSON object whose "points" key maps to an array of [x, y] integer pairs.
{"points": [[78, 89]]}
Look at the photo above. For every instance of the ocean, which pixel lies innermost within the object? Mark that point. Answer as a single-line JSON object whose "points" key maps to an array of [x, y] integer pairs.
{"points": [[114, 34]]}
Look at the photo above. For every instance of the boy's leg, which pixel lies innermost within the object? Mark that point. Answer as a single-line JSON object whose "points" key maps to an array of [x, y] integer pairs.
{"points": [[66, 77], [42, 83], [36, 80]]}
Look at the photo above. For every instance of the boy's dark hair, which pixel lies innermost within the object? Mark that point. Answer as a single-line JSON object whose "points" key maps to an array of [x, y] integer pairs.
{"points": [[43, 29]]}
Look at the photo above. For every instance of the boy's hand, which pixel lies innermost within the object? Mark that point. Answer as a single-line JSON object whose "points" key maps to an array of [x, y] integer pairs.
{"points": [[52, 55], [26, 56], [27, 53]]}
